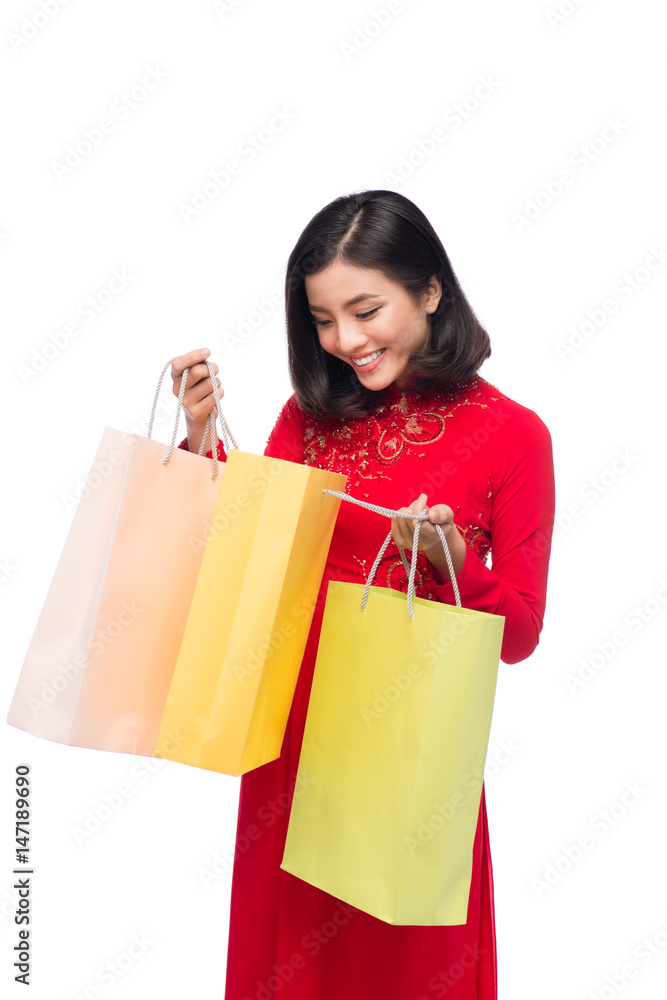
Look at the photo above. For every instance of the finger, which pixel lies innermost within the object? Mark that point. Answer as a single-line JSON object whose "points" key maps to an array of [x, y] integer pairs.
{"points": [[188, 360], [196, 373], [419, 504], [399, 532], [202, 391], [401, 526], [199, 412], [416, 507], [200, 373], [441, 514], [405, 532], [197, 386]]}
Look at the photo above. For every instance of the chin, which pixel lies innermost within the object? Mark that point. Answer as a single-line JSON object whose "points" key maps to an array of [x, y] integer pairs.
{"points": [[377, 375], [375, 384]]}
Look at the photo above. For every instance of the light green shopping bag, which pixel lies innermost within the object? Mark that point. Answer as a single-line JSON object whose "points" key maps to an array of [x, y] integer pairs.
{"points": [[394, 749]]}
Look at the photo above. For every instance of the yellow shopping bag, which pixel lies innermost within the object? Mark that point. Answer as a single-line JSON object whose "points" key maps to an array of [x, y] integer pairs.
{"points": [[251, 612], [394, 748]]}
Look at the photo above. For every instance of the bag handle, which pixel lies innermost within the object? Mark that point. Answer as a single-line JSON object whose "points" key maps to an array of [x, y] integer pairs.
{"points": [[227, 435], [415, 542]]}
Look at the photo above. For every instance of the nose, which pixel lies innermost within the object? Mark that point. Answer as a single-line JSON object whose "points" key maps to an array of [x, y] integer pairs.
{"points": [[351, 340]]}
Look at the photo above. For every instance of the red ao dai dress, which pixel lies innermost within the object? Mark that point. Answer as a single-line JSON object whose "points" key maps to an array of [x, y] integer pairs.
{"points": [[490, 459]]}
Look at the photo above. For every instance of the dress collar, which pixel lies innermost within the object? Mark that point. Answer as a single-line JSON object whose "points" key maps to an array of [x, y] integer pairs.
{"points": [[392, 391]]}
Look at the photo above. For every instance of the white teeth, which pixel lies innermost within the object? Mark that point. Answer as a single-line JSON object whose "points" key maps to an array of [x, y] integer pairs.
{"points": [[367, 361]]}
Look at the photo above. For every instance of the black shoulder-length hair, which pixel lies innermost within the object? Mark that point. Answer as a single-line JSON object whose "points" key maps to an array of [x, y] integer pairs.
{"points": [[386, 231]]}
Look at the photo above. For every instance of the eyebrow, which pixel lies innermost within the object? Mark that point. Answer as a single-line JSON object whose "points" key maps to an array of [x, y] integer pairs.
{"points": [[352, 302]]}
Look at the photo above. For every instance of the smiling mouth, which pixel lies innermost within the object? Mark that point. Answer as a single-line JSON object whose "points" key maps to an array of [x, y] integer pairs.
{"points": [[368, 358]]}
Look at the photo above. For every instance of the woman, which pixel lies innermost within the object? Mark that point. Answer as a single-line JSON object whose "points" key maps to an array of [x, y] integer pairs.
{"points": [[384, 351]]}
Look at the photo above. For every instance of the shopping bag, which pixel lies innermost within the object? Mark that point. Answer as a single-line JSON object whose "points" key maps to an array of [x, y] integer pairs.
{"points": [[261, 571], [101, 657], [394, 748]]}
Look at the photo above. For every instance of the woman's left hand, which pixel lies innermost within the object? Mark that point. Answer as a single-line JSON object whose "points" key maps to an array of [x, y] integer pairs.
{"points": [[429, 541]]}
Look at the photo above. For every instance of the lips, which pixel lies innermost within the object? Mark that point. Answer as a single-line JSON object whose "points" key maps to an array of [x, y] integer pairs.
{"points": [[368, 359]]}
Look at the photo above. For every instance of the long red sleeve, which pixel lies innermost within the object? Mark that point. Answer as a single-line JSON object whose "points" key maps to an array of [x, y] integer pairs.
{"points": [[522, 515], [222, 454]]}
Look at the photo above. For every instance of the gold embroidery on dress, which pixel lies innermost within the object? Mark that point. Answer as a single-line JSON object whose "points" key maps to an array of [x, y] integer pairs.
{"points": [[477, 537], [359, 447], [362, 563]]}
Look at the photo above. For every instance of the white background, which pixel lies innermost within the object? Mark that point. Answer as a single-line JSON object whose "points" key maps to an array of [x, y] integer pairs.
{"points": [[361, 99]]}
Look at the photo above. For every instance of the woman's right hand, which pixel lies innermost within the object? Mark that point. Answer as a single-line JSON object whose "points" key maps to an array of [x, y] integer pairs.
{"points": [[198, 398]]}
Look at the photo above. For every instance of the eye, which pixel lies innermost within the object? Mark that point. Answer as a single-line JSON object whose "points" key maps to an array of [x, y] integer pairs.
{"points": [[323, 322]]}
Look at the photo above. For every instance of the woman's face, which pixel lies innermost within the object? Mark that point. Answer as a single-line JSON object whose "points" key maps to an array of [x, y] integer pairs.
{"points": [[358, 311]]}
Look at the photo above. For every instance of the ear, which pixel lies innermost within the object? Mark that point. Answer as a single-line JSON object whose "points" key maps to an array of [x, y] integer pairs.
{"points": [[433, 294]]}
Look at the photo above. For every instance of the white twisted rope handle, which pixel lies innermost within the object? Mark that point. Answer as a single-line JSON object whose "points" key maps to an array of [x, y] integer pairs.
{"points": [[227, 436], [415, 542]]}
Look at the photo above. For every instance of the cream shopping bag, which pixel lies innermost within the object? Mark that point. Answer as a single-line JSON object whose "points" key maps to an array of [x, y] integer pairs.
{"points": [[99, 665]]}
